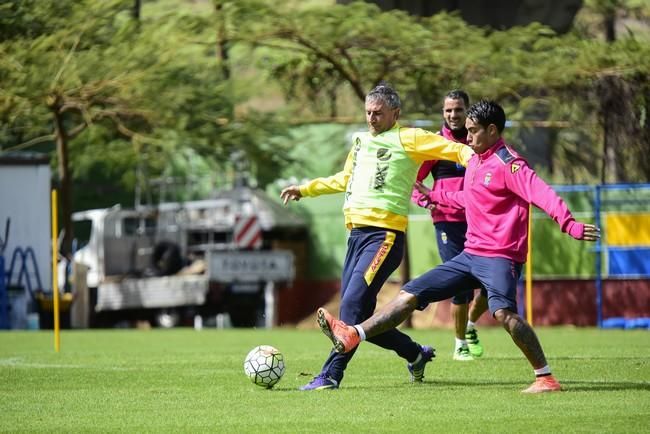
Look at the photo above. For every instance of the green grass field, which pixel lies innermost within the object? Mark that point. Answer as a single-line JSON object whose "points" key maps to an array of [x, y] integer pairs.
{"points": [[181, 380]]}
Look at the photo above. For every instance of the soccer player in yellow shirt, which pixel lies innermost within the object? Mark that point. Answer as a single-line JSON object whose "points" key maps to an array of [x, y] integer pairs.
{"points": [[377, 178]]}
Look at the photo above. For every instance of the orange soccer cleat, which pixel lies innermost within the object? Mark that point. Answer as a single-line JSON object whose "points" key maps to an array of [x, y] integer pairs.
{"points": [[547, 383], [344, 337]]}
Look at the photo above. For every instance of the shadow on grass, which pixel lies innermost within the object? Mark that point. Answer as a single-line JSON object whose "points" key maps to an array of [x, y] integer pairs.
{"points": [[568, 386], [590, 357], [553, 358], [426, 384], [604, 386]]}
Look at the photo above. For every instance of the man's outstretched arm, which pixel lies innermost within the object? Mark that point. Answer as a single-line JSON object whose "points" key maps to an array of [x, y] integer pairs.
{"points": [[524, 182], [316, 187], [450, 199]]}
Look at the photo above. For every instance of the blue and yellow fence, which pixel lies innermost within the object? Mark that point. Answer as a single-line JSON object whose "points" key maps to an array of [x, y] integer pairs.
{"points": [[621, 210], [628, 244]]}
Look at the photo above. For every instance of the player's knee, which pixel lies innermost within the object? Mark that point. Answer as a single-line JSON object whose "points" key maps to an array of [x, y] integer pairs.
{"points": [[503, 315], [509, 319], [408, 299]]}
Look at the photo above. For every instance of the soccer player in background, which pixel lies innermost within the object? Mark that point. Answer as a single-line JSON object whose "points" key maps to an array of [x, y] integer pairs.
{"points": [[498, 188], [450, 224], [377, 179]]}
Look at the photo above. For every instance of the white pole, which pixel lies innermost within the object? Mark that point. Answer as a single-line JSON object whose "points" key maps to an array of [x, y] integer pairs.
{"points": [[269, 304]]}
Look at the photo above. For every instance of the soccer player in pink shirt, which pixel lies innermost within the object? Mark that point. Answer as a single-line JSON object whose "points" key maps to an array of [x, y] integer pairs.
{"points": [[498, 188], [450, 224]]}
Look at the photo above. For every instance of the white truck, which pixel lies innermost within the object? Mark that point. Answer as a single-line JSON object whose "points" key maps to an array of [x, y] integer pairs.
{"points": [[173, 262]]}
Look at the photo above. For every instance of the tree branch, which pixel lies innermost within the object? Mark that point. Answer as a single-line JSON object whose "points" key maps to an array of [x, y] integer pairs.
{"points": [[32, 142], [354, 81]]}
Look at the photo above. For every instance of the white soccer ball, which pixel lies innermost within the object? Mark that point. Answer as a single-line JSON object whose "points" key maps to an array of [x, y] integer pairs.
{"points": [[264, 366]]}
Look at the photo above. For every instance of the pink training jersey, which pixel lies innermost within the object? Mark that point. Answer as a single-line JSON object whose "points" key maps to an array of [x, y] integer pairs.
{"points": [[498, 187], [447, 176]]}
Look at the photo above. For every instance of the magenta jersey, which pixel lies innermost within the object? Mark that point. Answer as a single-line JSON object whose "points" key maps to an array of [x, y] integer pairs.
{"points": [[447, 176], [499, 185]]}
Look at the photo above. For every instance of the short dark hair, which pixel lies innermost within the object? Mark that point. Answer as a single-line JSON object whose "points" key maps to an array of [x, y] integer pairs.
{"points": [[486, 112], [385, 93], [458, 94]]}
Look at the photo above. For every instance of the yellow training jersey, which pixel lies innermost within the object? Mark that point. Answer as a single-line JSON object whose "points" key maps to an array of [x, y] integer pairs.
{"points": [[420, 145]]}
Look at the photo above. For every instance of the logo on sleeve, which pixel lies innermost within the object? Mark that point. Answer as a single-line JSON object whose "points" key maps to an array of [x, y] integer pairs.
{"points": [[487, 179], [514, 167]]}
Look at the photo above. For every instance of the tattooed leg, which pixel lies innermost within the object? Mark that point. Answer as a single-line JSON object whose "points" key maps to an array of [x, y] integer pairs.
{"points": [[523, 336], [391, 315]]}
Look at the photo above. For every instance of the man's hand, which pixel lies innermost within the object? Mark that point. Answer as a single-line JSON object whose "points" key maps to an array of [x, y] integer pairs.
{"points": [[424, 190], [583, 231], [591, 232], [290, 193]]}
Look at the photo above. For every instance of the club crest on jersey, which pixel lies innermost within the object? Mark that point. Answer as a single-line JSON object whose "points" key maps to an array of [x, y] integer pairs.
{"points": [[487, 179], [383, 154], [514, 167]]}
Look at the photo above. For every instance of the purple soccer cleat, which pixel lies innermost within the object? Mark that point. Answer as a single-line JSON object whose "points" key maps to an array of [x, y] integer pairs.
{"points": [[417, 369], [321, 382]]}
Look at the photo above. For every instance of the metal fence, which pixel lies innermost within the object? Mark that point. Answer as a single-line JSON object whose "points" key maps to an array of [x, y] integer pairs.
{"points": [[622, 211]]}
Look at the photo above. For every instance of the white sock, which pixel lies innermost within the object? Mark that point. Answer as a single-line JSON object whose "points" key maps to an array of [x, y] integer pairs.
{"points": [[460, 343], [362, 334], [543, 371], [470, 325]]}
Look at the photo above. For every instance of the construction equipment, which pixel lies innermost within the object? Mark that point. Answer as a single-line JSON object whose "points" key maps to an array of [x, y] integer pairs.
{"points": [[168, 263]]}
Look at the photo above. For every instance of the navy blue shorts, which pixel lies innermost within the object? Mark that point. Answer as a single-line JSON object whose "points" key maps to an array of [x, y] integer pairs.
{"points": [[451, 241], [373, 255], [498, 276]]}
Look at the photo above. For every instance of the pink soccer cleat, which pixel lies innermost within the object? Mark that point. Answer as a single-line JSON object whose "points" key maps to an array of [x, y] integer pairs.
{"points": [[547, 383], [344, 337]]}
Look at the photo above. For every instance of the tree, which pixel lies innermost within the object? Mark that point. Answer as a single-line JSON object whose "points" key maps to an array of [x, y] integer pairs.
{"points": [[606, 17], [62, 87], [345, 50], [136, 93], [622, 87], [317, 52]]}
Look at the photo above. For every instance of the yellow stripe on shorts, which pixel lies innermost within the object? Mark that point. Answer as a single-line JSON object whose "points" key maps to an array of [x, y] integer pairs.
{"points": [[379, 258]]}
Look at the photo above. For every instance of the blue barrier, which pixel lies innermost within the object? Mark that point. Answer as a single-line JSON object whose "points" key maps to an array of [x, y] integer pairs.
{"points": [[600, 205], [626, 323], [25, 255], [4, 297], [619, 262], [4, 283]]}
